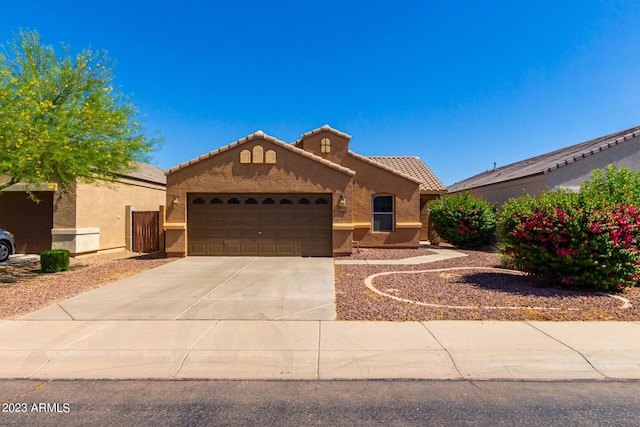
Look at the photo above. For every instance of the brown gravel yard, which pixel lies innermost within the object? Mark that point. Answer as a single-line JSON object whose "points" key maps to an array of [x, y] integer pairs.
{"points": [[486, 294], [24, 289]]}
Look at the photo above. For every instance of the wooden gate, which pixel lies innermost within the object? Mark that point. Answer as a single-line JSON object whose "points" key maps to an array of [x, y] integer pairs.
{"points": [[146, 236]]}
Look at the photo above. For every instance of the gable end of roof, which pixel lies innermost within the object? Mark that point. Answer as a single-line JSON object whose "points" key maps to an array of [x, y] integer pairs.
{"points": [[324, 128], [261, 135]]}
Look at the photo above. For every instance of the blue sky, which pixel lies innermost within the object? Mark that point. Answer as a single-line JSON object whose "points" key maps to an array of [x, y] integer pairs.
{"points": [[461, 84]]}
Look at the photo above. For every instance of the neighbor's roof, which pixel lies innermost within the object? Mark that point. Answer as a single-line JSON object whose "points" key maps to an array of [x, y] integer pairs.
{"points": [[548, 162], [147, 172], [413, 167]]}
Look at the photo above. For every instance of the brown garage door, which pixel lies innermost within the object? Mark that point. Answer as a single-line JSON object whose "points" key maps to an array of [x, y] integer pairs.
{"points": [[259, 224], [30, 222]]}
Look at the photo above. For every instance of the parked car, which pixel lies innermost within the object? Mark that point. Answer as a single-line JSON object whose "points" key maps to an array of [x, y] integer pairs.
{"points": [[7, 245]]}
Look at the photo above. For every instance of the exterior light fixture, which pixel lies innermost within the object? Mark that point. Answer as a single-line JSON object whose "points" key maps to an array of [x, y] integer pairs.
{"points": [[342, 202], [176, 199]]}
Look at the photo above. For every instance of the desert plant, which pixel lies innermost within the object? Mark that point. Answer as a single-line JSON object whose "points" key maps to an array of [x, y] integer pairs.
{"points": [[463, 220]]}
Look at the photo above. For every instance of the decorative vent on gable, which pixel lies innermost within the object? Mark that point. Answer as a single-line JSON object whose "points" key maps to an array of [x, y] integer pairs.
{"points": [[270, 157], [325, 145], [257, 155], [245, 156]]}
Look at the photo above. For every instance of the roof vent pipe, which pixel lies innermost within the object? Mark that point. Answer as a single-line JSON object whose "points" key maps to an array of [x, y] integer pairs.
{"points": [[494, 165]]}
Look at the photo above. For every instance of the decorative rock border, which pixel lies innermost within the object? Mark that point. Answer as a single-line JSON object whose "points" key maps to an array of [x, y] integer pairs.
{"points": [[369, 283]]}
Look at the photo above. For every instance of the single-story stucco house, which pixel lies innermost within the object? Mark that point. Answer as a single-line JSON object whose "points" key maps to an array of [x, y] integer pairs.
{"points": [[564, 168], [313, 197], [88, 218]]}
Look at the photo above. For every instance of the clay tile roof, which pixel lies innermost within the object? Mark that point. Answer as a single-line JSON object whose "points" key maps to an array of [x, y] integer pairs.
{"points": [[548, 162], [415, 168], [262, 135], [149, 173]]}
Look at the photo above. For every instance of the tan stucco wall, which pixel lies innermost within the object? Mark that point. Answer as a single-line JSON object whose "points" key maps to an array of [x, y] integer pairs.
{"points": [[223, 173], [372, 180], [64, 208], [104, 207]]}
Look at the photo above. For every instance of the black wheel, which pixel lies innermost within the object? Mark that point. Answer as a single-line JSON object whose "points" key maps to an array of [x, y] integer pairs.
{"points": [[5, 251]]}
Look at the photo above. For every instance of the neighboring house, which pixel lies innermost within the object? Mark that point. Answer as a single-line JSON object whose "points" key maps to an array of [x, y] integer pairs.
{"points": [[314, 197], [564, 168], [84, 219]]}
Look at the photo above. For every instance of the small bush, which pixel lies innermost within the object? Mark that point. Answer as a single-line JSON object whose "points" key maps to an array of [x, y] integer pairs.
{"points": [[462, 220], [54, 260], [587, 240]]}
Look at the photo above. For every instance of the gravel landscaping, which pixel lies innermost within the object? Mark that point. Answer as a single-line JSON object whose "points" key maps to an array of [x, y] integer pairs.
{"points": [[458, 292], [467, 288], [23, 288]]}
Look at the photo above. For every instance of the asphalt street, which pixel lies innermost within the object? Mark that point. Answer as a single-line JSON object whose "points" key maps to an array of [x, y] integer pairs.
{"points": [[319, 403]]}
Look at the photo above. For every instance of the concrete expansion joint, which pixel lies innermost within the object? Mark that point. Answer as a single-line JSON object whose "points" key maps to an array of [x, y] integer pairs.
{"points": [[215, 289], [572, 349], [453, 362], [195, 343]]}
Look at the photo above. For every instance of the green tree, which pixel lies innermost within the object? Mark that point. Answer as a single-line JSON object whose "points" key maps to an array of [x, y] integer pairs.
{"points": [[61, 120]]}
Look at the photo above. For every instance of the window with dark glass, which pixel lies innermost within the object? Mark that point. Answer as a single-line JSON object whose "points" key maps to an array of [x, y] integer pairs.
{"points": [[215, 201], [233, 201], [382, 213], [198, 201], [251, 201], [268, 201], [304, 201]]}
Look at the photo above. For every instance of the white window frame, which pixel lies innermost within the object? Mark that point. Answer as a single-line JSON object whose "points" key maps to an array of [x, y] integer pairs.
{"points": [[392, 213]]}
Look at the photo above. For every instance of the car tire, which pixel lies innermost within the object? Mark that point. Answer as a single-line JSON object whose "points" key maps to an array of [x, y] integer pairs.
{"points": [[5, 251]]}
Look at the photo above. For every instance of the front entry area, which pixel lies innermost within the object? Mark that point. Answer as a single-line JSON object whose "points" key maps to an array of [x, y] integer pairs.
{"points": [[251, 224]]}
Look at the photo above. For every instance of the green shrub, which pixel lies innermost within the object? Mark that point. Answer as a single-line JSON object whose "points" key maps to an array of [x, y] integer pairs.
{"points": [[611, 187], [587, 240], [54, 260], [463, 220]]}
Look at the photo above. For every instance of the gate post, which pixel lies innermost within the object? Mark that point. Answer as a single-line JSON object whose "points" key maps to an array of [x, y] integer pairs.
{"points": [[128, 224], [162, 220]]}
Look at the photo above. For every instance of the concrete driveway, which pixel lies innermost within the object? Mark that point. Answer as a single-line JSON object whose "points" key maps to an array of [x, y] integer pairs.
{"points": [[210, 288]]}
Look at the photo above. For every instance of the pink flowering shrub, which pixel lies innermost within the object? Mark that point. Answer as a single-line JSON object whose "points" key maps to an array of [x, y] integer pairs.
{"points": [[562, 241], [462, 220]]}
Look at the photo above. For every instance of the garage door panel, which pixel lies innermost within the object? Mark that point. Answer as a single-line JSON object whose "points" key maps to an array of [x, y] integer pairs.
{"points": [[197, 248], [232, 248], [215, 248], [269, 249], [259, 229], [250, 249]]}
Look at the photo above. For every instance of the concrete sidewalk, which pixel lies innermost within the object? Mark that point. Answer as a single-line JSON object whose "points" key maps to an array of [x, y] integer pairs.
{"points": [[324, 350], [440, 254]]}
